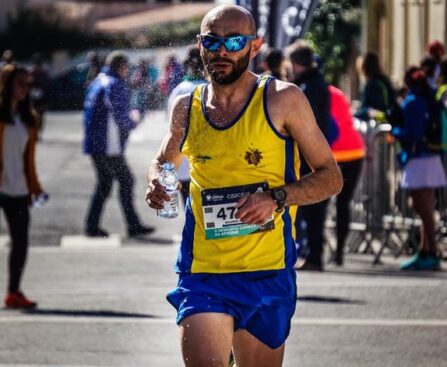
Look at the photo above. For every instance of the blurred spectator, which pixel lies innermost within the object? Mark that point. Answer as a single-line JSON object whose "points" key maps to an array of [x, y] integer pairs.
{"points": [[378, 96], [311, 82], [195, 71], [95, 65], [423, 171], [436, 49], [140, 83], [173, 75], [18, 179], [274, 63], [146, 95], [40, 84], [349, 152], [107, 124], [430, 66], [7, 58]]}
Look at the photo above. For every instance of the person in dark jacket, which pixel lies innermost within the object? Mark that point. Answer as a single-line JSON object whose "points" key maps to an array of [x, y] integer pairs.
{"points": [[311, 82], [378, 96], [107, 124]]}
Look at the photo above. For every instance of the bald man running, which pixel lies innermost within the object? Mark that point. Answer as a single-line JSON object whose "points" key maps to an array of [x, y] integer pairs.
{"points": [[241, 133]]}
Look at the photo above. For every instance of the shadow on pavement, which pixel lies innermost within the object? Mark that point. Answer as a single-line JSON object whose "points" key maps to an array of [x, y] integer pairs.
{"points": [[148, 240], [337, 300], [85, 313], [388, 272]]}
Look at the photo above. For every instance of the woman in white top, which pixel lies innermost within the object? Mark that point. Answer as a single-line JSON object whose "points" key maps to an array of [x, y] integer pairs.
{"points": [[18, 179]]}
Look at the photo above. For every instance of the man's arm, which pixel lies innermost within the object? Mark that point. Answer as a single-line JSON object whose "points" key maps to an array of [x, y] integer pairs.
{"points": [[169, 152], [325, 180], [293, 116]]}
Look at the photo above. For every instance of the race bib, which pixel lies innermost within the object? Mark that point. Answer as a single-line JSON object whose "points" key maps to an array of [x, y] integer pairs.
{"points": [[219, 210]]}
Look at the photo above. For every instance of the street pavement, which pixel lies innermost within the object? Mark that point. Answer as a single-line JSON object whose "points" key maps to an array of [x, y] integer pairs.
{"points": [[103, 304]]}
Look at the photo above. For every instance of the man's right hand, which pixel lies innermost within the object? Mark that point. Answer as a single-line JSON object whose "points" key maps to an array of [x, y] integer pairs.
{"points": [[156, 195]]}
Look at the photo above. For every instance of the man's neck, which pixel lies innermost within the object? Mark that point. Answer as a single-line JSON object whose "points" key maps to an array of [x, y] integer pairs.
{"points": [[224, 94]]}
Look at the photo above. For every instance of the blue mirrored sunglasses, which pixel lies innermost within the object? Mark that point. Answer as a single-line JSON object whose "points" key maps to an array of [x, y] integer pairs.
{"points": [[232, 44]]}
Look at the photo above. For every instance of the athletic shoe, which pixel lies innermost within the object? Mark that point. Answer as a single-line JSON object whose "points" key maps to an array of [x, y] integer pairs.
{"points": [[140, 231], [420, 261], [19, 301], [97, 232]]}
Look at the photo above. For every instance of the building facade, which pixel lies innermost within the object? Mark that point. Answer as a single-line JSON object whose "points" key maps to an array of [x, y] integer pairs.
{"points": [[399, 30]]}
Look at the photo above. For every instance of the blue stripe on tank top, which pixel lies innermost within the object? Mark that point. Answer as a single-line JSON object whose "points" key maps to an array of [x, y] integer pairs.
{"points": [[289, 177], [185, 254], [266, 110]]}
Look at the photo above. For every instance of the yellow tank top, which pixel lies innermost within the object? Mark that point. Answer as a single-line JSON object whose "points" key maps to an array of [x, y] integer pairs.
{"points": [[248, 151]]}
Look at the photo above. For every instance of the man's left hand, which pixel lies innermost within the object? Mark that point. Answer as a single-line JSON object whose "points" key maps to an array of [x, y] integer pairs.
{"points": [[255, 208]]}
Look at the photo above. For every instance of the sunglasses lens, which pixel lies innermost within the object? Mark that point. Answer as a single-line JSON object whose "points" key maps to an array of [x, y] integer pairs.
{"points": [[211, 43], [234, 44]]}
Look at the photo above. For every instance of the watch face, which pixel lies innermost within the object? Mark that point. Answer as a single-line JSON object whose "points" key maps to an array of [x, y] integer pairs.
{"points": [[280, 194]]}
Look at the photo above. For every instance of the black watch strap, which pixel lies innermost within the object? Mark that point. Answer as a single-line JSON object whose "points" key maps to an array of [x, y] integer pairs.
{"points": [[279, 196]]}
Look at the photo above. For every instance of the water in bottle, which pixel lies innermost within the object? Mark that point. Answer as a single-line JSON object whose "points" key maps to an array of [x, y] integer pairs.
{"points": [[168, 178]]}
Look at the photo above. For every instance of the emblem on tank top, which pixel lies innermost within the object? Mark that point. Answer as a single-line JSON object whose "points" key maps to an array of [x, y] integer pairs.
{"points": [[253, 156], [201, 158]]}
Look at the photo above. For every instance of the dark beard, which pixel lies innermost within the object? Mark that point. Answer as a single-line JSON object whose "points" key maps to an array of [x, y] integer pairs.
{"points": [[238, 69]]}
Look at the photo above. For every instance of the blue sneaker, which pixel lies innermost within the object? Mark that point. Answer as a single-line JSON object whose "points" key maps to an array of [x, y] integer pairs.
{"points": [[422, 262]]}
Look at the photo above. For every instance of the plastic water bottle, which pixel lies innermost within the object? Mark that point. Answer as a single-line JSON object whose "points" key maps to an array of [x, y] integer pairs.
{"points": [[168, 178]]}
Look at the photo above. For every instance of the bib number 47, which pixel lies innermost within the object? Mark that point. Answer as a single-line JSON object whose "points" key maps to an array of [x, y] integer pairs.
{"points": [[224, 213]]}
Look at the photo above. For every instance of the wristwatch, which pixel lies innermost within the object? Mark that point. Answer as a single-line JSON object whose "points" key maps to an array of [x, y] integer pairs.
{"points": [[279, 196]]}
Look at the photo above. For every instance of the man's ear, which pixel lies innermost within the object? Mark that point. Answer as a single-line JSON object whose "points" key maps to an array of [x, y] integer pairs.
{"points": [[255, 47]]}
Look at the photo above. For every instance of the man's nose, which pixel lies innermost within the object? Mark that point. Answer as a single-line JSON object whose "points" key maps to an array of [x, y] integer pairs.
{"points": [[222, 49]]}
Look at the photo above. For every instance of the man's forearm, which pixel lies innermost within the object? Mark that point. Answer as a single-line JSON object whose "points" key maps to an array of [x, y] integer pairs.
{"points": [[315, 187]]}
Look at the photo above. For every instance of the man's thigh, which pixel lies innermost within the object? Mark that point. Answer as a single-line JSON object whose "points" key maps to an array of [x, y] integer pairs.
{"points": [[250, 352], [206, 339]]}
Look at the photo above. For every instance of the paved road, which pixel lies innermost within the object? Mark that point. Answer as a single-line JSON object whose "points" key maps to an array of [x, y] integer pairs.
{"points": [[105, 306]]}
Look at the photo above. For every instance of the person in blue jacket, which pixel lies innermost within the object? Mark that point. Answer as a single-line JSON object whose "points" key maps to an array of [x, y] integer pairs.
{"points": [[423, 171], [108, 121]]}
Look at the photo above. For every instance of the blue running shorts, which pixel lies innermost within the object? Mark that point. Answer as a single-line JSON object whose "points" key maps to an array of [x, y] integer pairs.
{"points": [[262, 302]]}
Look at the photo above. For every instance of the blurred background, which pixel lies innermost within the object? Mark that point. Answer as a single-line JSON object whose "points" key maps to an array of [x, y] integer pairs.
{"points": [[101, 300]]}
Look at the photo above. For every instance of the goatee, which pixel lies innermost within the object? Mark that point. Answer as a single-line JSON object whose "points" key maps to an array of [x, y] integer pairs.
{"points": [[238, 69]]}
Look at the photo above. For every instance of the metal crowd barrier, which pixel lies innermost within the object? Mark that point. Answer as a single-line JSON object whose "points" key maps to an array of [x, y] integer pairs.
{"points": [[381, 214]]}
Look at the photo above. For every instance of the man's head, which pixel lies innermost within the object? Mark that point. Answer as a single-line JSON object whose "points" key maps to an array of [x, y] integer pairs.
{"points": [[224, 46], [302, 57], [436, 49], [118, 63]]}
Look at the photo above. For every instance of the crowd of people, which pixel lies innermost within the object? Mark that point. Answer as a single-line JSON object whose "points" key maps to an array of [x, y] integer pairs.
{"points": [[417, 112], [116, 100]]}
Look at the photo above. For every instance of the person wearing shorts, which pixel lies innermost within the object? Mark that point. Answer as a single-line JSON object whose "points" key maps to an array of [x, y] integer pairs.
{"points": [[240, 132]]}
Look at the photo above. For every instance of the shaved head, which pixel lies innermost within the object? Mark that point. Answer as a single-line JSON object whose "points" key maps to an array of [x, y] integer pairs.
{"points": [[229, 12]]}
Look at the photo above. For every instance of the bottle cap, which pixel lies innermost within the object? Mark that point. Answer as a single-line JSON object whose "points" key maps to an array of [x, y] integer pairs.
{"points": [[168, 166]]}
